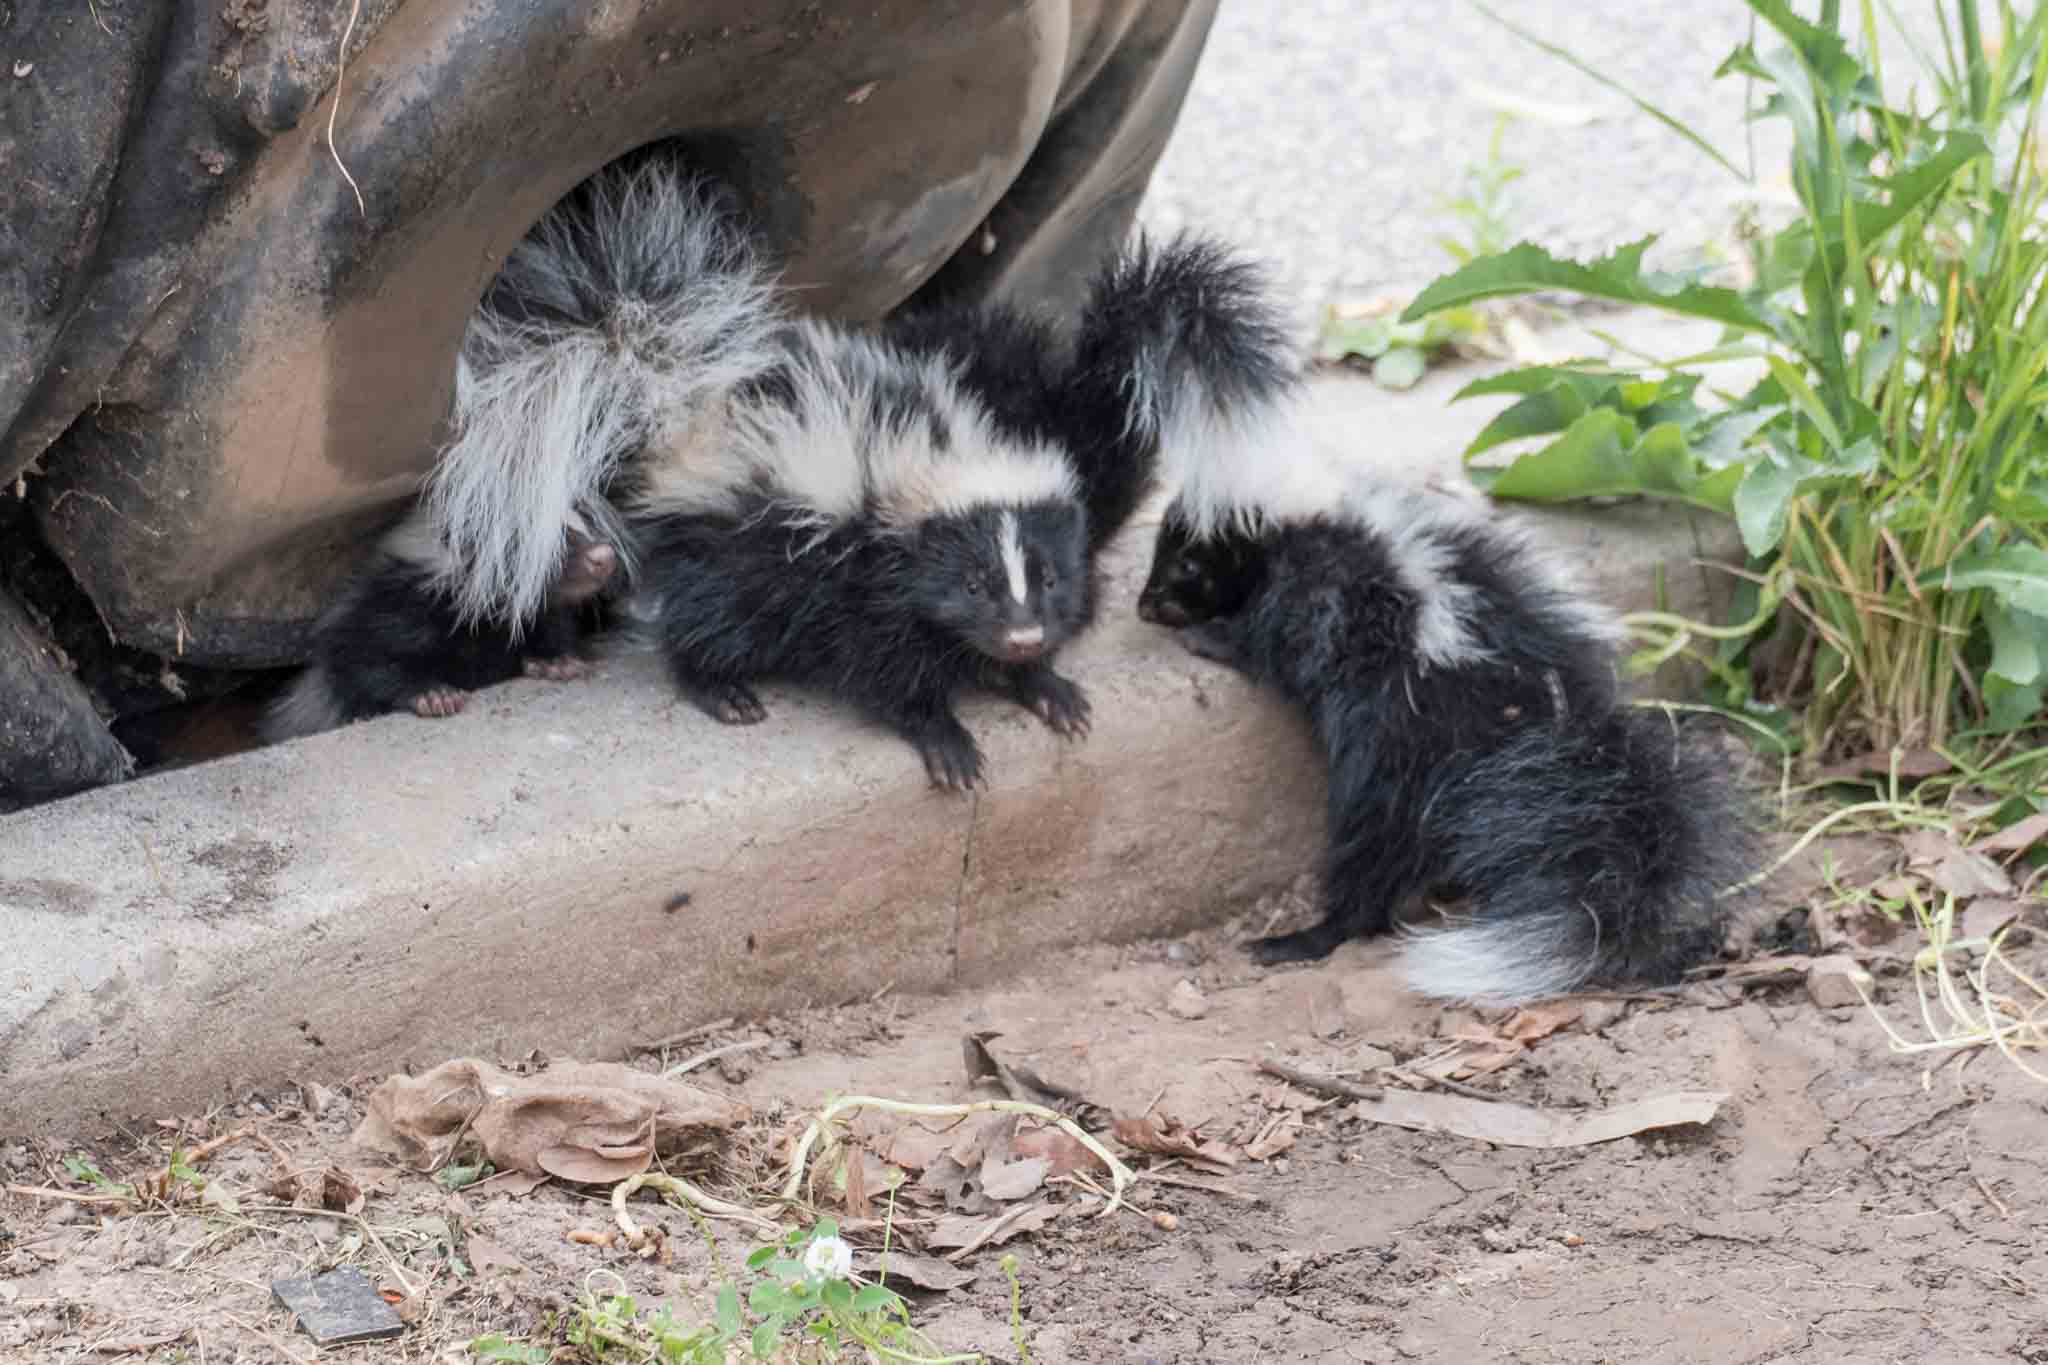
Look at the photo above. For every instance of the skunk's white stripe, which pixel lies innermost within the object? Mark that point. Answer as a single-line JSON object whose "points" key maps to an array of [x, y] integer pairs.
{"points": [[1013, 556], [837, 446], [545, 415]]}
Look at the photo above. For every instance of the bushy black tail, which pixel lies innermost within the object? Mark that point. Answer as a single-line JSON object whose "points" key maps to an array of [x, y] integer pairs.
{"points": [[628, 306], [1592, 851], [1180, 349]]}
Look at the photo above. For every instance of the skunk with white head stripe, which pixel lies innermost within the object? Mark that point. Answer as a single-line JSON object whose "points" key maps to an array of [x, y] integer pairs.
{"points": [[899, 513], [1463, 692]]}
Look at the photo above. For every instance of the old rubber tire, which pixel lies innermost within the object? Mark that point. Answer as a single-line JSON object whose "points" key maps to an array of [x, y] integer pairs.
{"points": [[219, 364]]}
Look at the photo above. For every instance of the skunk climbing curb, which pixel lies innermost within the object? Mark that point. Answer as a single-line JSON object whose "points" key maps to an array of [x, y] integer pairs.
{"points": [[1464, 696], [899, 513]]}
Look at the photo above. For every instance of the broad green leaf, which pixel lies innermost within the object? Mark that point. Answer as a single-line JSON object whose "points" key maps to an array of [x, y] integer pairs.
{"points": [[1540, 414], [495, 1347], [872, 1298], [763, 1342], [2010, 706], [1400, 368], [1587, 461], [1529, 268], [2019, 643], [1345, 337], [1587, 379], [760, 1256], [729, 1319], [1759, 504], [2016, 574]]}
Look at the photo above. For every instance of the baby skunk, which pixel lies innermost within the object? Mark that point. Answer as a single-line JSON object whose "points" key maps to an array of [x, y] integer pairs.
{"points": [[1465, 698], [624, 313], [898, 514], [395, 640]]}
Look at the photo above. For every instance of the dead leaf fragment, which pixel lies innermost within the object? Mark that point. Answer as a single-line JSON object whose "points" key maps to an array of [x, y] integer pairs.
{"points": [[492, 1258], [1956, 869], [1186, 1001], [1277, 1136], [1914, 764], [517, 1184], [971, 1234], [1831, 982], [925, 1272], [1164, 1136], [339, 1192], [1009, 1181], [1063, 1154], [591, 1120], [1519, 1125], [2017, 837], [1532, 1023]]}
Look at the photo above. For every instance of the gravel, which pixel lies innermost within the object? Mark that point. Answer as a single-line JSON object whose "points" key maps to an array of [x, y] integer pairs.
{"points": [[1327, 133]]}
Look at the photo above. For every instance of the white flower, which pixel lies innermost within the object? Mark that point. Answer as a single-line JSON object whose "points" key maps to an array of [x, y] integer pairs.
{"points": [[828, 1258]]}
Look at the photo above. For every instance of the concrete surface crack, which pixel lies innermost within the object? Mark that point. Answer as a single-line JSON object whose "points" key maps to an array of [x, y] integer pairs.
{"points": [[960, 891]]}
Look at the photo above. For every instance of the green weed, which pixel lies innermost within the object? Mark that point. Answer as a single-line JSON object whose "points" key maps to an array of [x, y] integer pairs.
{"points": [[1888, 469]]}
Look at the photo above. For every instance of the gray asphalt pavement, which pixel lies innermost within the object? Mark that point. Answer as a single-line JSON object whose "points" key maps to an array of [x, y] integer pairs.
{"points": [[1325, 133]]}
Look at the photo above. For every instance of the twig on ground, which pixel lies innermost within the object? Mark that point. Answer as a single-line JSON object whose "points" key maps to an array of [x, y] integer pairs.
{"points": [[1321, 1085]]}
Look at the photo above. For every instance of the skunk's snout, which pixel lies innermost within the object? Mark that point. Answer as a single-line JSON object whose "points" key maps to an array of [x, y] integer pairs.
{"points": [[1020, 644], [1161, 611]]}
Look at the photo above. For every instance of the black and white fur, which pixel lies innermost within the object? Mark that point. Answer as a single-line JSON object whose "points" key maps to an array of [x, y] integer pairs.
{"points": [[395, 640], [1464, 695], [616, 326], [900, 513]]}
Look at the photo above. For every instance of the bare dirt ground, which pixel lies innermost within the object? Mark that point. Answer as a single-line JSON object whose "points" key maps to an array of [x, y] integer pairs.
{"points": [[1845, 1204]]}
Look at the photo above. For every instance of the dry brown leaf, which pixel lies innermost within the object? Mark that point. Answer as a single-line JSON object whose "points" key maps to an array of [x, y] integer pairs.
{"points": [[1956, 869], [1914, 764], [1276, 1137], [489, 1257], [1009, 1181], [588, 1167], [339, 1192], [971, 1234], [1063, 1153], [925, 1272], [957, 1185], [1984, 917], [1765, 971], [915, 1147], [1020, 1082], [517, 1184], [1533, 1022], [2017, 837], [1164, 1136], [615, 1115], [1518, 1125]]}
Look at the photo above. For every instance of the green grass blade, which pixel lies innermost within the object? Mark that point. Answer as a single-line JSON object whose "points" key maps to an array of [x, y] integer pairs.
{"points": [[1592, 74]]}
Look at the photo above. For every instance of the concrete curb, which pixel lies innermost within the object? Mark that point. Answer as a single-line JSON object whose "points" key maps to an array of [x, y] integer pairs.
{"points": [[403, 891]]}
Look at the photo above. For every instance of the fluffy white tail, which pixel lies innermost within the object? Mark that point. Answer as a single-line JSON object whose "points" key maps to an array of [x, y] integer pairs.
{"points": [[629, 307]]}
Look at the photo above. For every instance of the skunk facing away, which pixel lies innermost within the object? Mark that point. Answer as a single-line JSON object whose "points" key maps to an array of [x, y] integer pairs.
{"points": [[625, 314], [394, 641], [1464, 696]]}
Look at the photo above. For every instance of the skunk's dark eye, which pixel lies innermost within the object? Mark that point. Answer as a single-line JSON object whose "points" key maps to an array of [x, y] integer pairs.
{"points": [[1190, 567], [974, 588], [1047, 576]]}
